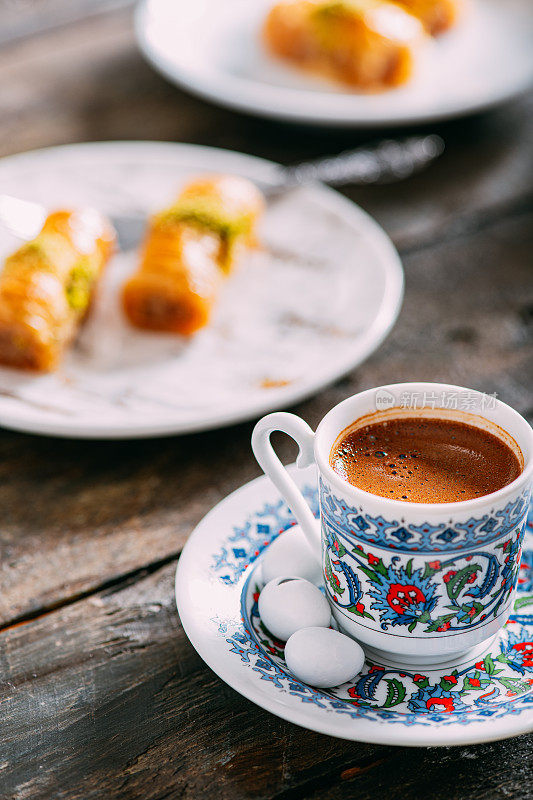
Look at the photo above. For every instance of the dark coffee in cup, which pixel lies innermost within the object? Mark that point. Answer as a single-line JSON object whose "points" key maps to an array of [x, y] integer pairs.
{"points": [[425, 459]]}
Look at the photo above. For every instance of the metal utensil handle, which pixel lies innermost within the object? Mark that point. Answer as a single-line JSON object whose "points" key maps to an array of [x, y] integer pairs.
{"points": [[389, 160]]}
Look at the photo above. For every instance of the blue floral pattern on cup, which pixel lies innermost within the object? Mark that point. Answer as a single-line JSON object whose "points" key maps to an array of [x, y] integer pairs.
{"points": [[426, 538], [451, 594], [461, 591]]}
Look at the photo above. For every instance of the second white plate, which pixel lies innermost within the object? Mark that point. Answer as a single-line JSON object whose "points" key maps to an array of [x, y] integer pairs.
{"points": [[214, 49]]}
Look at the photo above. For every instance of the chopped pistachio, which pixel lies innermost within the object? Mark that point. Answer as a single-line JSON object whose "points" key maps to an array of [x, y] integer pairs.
{"points": [[207, 213], [337, 8], [79, 284]]}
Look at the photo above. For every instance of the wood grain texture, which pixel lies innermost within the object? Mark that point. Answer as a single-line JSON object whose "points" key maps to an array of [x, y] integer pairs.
{"points": [[102, 696]]}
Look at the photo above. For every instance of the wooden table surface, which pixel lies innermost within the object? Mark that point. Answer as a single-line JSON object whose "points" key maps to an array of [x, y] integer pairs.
{"points": [[102, 696]]}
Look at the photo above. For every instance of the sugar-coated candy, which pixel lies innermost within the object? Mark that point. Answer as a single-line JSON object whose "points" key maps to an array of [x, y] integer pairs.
{"points": [[289, 603], [290, 554], [323, 657]]}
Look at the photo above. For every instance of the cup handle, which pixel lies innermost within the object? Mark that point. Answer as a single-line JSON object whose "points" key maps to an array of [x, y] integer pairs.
{"points": [[267, 459]]}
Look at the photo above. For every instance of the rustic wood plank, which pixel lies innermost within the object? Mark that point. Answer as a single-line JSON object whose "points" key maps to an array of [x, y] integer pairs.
{"points": [[102, 509], [106, 698]]}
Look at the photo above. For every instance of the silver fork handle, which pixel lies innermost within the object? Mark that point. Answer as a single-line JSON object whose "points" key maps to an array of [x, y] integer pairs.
{"points": [[388, 161]]}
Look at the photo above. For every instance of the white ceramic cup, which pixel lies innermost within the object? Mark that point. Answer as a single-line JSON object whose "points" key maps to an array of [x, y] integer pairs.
{"points": [[414, 582]]}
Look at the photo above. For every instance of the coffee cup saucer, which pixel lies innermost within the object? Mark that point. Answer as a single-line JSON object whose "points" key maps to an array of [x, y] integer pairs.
{"points": [[482, 696]]}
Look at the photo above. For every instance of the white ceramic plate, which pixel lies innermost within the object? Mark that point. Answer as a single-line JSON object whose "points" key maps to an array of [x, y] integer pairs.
{"points": [[483, 699], [310, 305], [213, 49]]}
